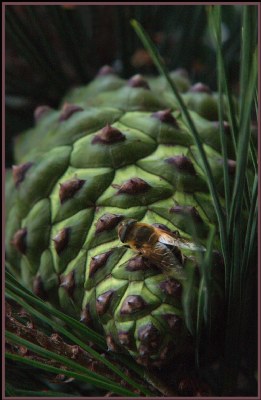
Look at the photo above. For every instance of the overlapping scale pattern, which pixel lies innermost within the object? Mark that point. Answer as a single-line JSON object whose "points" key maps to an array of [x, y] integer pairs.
{"points": [[117, 149]]}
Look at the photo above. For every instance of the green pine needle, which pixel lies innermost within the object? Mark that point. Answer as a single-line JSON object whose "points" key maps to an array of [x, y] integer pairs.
{"points": [[148, 44], [237, 238], [34, 306]]}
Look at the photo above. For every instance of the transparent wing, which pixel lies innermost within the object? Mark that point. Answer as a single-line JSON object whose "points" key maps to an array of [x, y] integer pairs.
{"points": [[173, 240], [163, 258]]}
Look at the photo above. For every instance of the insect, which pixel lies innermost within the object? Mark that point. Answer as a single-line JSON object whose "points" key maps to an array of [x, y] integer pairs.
{"points": [[155, 244]]}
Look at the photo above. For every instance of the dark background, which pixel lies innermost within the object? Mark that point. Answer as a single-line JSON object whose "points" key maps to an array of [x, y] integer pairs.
{"points": [[52, 48]]}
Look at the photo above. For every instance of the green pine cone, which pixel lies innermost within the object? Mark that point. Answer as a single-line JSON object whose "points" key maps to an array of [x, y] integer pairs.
{"points": [[115, 150]]}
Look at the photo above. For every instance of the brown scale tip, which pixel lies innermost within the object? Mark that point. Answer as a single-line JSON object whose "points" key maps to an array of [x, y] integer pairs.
{"points": [[231, 164], [22, 350], [227, 129], [40, 111], [187, 211], [132, 304], [103, 302], [158, 363], [182, 163], [98, 262], [166, 117], [231, 167], [68, 283], [138, 81], [149, 334], [86, 315], [226, 126], [111, 343], [19, 172], [61, 240], [186, 387], [68, 110], [171, 287], [38, 287], [19, 240], [133, 186], [173, 321], [69, 188], [125, 339], [162, 226], [107, 222], [56, 338], [193, 387], [108, 135], [143, 360], [106, 70], [166, 351], [137, 263], [144, 350], [200, 88]]}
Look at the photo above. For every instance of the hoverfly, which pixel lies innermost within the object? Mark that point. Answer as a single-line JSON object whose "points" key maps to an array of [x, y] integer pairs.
{"points": [[155, 244]]}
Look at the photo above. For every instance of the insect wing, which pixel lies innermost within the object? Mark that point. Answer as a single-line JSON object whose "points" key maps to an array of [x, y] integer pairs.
{"points": [[185, 244], [168, 239], [163, 258]]}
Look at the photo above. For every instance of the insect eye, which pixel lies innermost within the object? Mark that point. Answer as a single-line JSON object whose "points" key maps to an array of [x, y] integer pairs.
{"points": [[124, 229], [143, 233]]}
